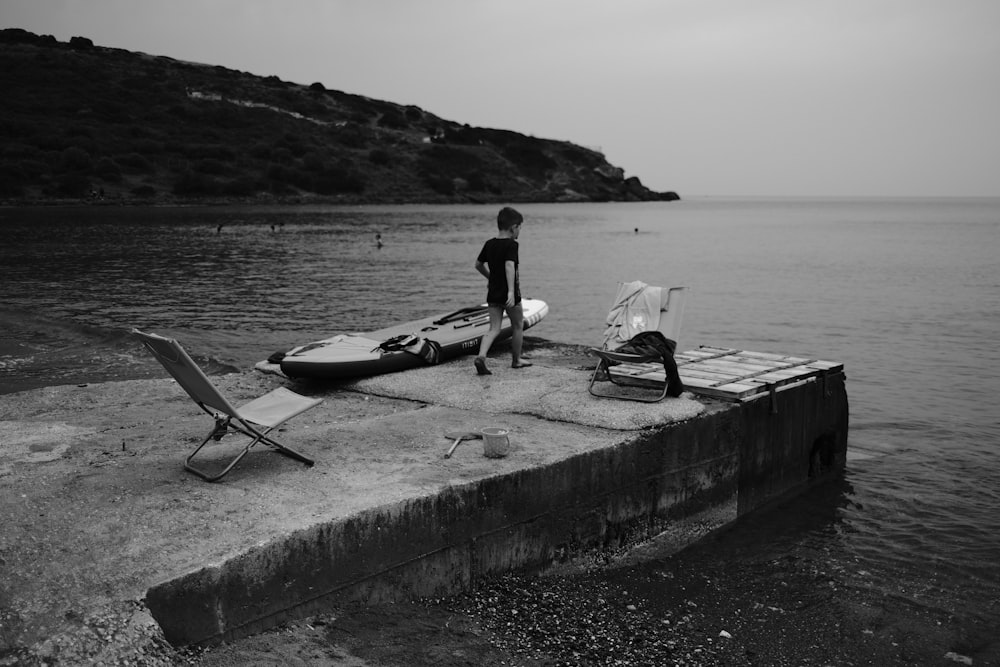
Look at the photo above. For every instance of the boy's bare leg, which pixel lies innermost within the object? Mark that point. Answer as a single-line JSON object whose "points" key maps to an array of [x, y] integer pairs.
{"points": [[516, 315], [496, 320]]}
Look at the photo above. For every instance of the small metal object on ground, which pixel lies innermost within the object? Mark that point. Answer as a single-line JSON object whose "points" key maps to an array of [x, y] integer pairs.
{"points": [[459, 437]]}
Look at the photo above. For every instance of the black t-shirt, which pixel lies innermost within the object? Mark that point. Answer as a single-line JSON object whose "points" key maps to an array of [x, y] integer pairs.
{"points": [[495, 254]]}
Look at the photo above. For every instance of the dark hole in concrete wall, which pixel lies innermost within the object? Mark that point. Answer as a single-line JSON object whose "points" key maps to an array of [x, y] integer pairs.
{"points": [[821, 458]]}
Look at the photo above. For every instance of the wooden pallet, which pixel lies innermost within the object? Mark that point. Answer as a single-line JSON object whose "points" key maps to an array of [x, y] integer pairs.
{"points": [[735, 375]]}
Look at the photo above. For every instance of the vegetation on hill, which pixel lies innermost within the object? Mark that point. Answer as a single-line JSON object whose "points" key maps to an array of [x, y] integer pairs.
{"points": [[79, 121]]}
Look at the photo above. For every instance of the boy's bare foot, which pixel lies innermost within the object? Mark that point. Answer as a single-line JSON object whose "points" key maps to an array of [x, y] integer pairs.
{"points": [[481, 366], [520, 364]]}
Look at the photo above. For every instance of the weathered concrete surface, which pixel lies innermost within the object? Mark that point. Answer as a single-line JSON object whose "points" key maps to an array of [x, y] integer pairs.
{"points": [[101, 522]]}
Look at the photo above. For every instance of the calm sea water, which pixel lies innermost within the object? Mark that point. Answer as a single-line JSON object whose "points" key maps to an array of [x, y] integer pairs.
{"points": [[906, 293]]}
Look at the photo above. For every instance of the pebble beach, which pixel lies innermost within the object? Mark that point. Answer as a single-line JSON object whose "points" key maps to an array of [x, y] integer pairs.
{"points": [[711, 604]]}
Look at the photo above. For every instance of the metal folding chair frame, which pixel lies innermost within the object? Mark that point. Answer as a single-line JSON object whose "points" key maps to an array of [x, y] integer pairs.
{"points": [[235, 424], [603, 374], [271, 410]]}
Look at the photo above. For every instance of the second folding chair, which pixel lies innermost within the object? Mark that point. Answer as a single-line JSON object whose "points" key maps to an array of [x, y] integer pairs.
{"points": [[643, 329], [255, 419]]}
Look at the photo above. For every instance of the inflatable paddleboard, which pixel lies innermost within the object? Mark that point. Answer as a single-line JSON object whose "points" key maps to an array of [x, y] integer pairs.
{"points": [[428, 341]]}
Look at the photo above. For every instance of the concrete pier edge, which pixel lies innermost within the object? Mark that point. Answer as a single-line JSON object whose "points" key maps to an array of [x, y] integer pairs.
{"points": [[678, 480], [729, 462]]}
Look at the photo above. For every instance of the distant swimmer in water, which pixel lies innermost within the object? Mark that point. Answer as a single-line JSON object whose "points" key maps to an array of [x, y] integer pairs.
{"points": [[218, 230], [378, 240], [636, 230]]}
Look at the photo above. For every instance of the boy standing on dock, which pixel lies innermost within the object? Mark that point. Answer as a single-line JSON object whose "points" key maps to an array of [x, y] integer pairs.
{"points": [[498, 262]]}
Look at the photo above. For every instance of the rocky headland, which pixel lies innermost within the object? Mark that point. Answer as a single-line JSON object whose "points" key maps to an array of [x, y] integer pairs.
{"points": [[82, 122]]}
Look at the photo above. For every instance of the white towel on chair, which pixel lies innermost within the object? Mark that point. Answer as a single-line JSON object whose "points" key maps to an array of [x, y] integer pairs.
{"points": [[636, 309]]}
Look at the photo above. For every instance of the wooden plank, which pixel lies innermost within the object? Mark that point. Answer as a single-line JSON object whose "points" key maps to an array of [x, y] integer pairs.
{"points": [[711, 349], [787, 362], [735, 369], [656, 370], [767, 359], [738, 365], [705, 374], [708, 384], [773, 357], [731, 374], [792, 372], [759, 363], [705, 353], [727, 392], [828, 366], [818, 363]]}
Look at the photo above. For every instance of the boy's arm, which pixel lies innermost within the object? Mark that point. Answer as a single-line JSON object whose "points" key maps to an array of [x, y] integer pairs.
{"points": [[483, 269], [509, 270]]}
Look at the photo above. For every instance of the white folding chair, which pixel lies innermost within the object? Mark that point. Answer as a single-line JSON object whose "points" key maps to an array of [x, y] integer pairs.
{"points": [[638, 308]]}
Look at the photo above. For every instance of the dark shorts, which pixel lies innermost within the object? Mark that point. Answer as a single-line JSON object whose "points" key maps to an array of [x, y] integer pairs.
{"points": [[502, 304]]}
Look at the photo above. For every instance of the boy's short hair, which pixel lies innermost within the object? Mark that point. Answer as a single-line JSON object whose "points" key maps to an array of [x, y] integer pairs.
{"points": [[508, 217]]}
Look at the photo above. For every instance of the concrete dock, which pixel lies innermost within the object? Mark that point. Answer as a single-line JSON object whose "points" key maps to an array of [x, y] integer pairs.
{"points": [[107, 542]]}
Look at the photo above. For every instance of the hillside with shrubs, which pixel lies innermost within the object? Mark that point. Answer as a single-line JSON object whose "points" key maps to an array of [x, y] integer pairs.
{"points": [[81, 122]]}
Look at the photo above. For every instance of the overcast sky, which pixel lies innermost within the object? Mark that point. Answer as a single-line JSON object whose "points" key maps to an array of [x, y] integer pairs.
{"points": [[727, 97]]}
